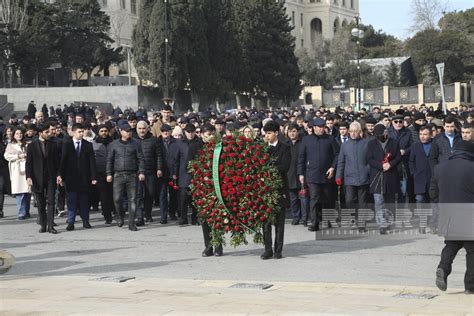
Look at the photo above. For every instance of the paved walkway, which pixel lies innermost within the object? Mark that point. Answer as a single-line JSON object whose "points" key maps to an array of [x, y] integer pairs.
{"points": [[85, 295]]}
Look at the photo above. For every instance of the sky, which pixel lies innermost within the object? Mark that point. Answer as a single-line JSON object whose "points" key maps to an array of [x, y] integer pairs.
{"points": [[394, 16]]}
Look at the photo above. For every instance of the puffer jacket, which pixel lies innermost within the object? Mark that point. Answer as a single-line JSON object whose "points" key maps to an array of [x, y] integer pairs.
{"points": [[100, 147], [125, 157], [151, 153], [352, 164]]}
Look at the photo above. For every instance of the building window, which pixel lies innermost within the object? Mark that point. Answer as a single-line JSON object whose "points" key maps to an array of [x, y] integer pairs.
{"points": [[122, 4], [301, 19], [352, 4], [335, 1], [293, 17], [343, 3], [133, 6]]}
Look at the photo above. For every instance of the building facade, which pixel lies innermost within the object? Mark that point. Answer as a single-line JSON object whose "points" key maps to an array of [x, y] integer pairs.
{"points": [[314, 20]]}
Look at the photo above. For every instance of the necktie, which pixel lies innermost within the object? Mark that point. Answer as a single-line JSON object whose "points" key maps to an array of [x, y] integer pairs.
{"points": [[78, 148]]}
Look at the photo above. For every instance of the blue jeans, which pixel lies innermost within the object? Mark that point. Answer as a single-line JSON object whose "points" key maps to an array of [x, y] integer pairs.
{"points": [[125, 183], [73, 199], [163, 188], [381, 208], [299, 206], [23, 203]]}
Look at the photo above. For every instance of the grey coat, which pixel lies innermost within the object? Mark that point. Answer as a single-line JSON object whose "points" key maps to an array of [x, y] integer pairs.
{"points": [[452, 185], [352, 166]]}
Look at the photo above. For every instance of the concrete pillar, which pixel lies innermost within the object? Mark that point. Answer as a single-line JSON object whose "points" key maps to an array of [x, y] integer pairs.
{"points": [[386, 95], [353, 97], [317, 95], [457, 93], [421, 94]]}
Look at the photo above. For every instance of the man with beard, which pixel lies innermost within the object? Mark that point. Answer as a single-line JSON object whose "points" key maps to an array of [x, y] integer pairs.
{"points": [[383, 157], [419, 121], [42, 169], [100, 145]]}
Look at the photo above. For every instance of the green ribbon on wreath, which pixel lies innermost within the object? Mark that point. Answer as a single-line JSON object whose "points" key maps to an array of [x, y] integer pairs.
{"points": [[215, 178]]}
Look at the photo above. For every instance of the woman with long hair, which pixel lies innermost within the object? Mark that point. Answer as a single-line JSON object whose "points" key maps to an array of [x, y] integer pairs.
{"points": [[7, 135], [15, 154]]}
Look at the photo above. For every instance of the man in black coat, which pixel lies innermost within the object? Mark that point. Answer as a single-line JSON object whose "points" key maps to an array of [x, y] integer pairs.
{"points": [[383, 157], [297, 204], [445, 143], [317, 161], [452, 185], [77, 173], [281, 155], [186, 151], [153, 171], [42, 169], [166, 142]]}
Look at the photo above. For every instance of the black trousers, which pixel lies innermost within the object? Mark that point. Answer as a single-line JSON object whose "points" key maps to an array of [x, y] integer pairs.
{"points": [[318, 196], [173, 202], [61, 198], [206, 233], [45, 204], [279, 233], [184, 202], [106, 196], [448, 254]]}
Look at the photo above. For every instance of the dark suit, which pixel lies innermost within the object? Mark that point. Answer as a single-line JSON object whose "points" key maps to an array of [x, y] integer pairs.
{"points": [[43, 169], [77, 172], [281, 154], [420, 168]]}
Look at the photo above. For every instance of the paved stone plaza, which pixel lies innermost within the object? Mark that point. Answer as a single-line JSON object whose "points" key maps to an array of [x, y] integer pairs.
{"points": [[61, 274]]}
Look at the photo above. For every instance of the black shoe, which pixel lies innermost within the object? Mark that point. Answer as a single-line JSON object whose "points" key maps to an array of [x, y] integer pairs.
{"points": [[70, 227], [21, 218], [163, 221], [267, 255], [277, 255], [313, 228], [27, 215], [295, 222], [108, 221], [207, 252], [469, 292], [149, 219], [383, 231], [173, 217], [183, 222], [140, 222], [304, 223], [86, 225], [51, 230], [218, 251], [441, 279], [133, 228], [54, 224], [120, 222], [42, 230]]}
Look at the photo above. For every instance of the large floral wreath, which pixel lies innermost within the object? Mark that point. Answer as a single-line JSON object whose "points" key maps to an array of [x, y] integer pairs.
{"points": [[235, 188]]}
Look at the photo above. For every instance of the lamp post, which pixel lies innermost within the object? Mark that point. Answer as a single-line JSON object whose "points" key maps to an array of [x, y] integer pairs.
{"points": [[359, 34], [128, 63], [167, 97]]}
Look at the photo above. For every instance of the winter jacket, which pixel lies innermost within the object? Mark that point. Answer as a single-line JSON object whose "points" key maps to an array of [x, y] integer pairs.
{"points": [[352, 165], [125, 157], [151, 153]]}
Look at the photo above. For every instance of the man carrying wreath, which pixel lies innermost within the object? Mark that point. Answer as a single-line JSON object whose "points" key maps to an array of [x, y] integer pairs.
{"points": [[281, 154]]}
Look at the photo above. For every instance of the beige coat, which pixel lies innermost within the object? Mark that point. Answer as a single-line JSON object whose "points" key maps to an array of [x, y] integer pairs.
{"points": [[16, 167]]}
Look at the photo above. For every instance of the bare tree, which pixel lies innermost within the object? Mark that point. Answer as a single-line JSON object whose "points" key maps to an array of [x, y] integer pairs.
{"points": [[118, 19], [427, 13], [13, 20]]}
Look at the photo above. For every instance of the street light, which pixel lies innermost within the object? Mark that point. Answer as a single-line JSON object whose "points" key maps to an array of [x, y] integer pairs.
{"points": [[129, 48], [359, 34]]}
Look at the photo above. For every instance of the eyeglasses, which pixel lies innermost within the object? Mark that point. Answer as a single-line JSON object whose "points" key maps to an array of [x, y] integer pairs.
{"points": [[398, 122]]}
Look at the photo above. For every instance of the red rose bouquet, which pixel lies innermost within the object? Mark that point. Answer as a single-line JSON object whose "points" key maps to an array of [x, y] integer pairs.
{"points": [[235, 188]]}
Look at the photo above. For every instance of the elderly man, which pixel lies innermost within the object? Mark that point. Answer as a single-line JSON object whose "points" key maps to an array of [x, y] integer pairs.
{"points": [[317, 161], [153, 170]]}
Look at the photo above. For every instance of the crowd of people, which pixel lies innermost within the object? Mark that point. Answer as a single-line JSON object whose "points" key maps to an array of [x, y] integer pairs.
{"points": [[76, 158]]}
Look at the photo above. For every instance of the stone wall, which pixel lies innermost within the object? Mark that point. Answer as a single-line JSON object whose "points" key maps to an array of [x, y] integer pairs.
{"points": [[116, 95]]}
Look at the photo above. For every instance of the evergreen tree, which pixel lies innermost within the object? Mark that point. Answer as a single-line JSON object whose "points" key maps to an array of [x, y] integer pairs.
{"points": [[392, 75], [268, 59], [140, 39]]}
